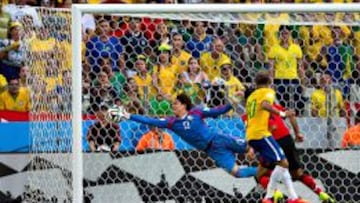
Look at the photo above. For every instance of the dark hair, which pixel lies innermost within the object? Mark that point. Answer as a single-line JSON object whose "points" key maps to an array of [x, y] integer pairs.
{"points": [[193, 23], [328, 72], [188, 62], [102, 20], [262, 78], [97, 107], [248, 91], [193, 58], [176, 34], [357, 117], [184, 99], [104, 107], [285, 27], [13, 78], [64, 72]]}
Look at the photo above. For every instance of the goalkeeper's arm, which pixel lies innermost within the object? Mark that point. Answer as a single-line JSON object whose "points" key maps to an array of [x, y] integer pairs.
{"points": [[161, 123], [236, 104], [213, 112]]}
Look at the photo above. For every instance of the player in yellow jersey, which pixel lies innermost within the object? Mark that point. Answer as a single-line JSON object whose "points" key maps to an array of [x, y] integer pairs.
{"points": [[258, 108]]}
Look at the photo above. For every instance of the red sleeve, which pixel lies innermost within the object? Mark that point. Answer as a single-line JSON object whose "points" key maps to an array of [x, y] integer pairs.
{"points": [[244, 117], [273, 125], [272, 121]]}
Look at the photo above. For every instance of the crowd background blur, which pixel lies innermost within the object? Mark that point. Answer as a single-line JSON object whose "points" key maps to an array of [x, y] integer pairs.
{"points": [[142, 63]]}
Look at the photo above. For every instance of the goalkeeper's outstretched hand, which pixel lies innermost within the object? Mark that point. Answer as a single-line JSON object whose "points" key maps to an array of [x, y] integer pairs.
{"points": [[117, 113], [124, 114]]}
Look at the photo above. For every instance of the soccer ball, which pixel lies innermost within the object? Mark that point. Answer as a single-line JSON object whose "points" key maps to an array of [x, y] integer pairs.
{"points": [[115, 114]]}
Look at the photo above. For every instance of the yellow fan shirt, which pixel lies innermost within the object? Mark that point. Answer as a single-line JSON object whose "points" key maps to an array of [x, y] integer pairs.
{"points": [[40, 49], [145, 82], [167, 78], [234, 85], [286, 66], [181, 61], [271, 29], [211, 66], [318, 101], [20, 103]]}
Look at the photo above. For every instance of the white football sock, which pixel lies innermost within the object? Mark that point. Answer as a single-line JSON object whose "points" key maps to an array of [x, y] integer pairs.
{"points": [[275, 177], [286, 179]]}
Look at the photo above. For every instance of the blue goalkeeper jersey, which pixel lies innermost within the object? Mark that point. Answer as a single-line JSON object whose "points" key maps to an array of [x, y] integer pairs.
{"points": [[191, 128]]}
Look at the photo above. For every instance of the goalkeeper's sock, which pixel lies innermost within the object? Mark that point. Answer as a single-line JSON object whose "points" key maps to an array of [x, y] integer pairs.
{"points": [[310, 182], [246, 172]]}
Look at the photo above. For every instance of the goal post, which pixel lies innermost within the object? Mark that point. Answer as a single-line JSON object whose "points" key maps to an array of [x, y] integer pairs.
{"points": [[77, 158], [78, 10]]}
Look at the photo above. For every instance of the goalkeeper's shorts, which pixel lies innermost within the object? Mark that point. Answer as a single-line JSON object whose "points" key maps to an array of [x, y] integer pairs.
{"points": [[223, 150]]}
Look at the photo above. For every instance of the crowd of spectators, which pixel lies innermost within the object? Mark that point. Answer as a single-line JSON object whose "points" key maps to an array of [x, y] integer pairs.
{"points": [[213, 61], [142, 63], [134, 61]]}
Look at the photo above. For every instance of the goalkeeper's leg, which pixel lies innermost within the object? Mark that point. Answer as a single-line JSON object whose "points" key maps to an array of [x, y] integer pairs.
{"points": [[225, 159], [222, 150]]}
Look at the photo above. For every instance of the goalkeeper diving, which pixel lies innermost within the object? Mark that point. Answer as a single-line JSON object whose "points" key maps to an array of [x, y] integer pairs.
{"points": [[189, 124]]}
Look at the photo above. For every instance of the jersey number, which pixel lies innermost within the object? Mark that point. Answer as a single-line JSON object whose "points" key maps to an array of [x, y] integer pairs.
{"points": [[251, 109], [186, 125]]}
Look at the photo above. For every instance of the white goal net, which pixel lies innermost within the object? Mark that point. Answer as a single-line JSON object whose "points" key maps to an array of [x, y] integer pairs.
{"points": [[142, 61]]}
